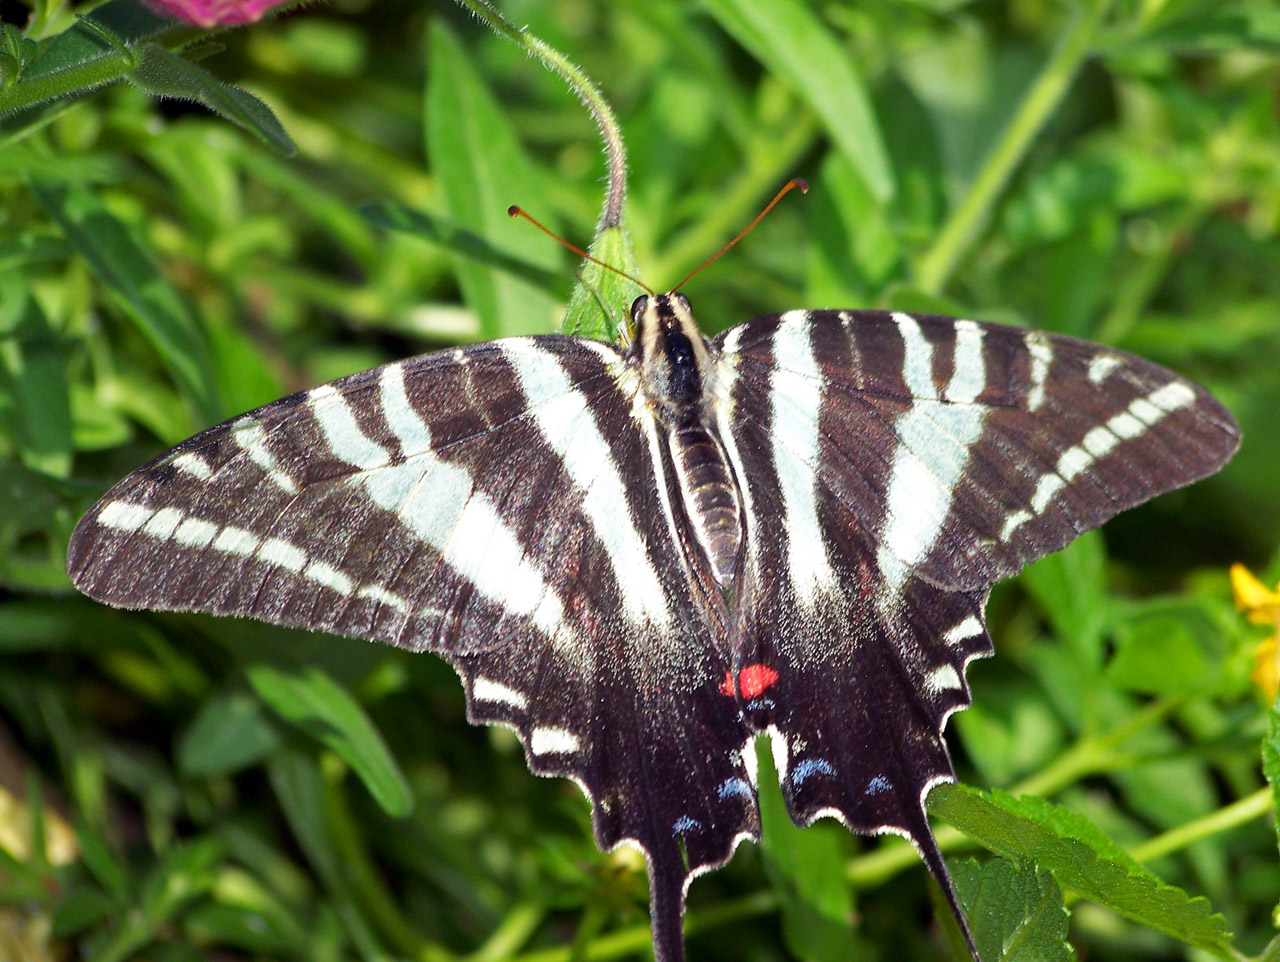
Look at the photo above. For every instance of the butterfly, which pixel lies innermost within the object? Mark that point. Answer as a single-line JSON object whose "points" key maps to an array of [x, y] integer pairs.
{"points": [[641, 556]]}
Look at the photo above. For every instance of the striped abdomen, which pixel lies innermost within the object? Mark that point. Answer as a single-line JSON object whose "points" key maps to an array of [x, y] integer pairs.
{"points": [[710, 496]]}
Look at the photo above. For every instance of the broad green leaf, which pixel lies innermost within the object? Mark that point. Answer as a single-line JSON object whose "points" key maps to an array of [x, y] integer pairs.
{"points": [[855, 252], [806, 868], [601, 299], [163, 73], [132, 22], [483, 170], [1015, 911], [790, 40], [230, 733], [33, 374], [391, 216], [1081, 858], [120, 261], [1070, 587], [1271, 762], [311, 701], [1160, 655]]}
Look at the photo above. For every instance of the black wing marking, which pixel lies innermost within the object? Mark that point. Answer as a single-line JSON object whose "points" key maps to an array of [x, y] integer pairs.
{"points": [[471, 503]]}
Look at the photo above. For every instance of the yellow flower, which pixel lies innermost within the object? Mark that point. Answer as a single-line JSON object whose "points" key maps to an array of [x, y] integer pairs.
{"points": [[1261, 606]]}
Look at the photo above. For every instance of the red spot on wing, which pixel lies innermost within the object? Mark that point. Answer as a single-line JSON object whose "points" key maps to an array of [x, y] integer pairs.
{"points": [[752, 680]]}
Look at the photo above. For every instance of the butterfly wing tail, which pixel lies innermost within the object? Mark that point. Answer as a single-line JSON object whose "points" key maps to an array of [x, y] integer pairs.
{"points": [[921, 836]]}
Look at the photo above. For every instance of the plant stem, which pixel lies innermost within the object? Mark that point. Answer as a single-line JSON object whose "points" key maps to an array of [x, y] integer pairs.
{"points": [[962, 227], [1224, 819], [364, 882], [106, 69], [587, 92]]}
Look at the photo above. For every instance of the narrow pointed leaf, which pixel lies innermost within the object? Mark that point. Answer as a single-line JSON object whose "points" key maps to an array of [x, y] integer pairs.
{"points": [[128, 269], [163, 73], [483, 170], [311, 701], [790, 40]]}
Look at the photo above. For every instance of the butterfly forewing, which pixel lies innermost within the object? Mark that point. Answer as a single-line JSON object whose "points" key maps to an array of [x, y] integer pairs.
{"points": [[501, 505], [971, 449]]}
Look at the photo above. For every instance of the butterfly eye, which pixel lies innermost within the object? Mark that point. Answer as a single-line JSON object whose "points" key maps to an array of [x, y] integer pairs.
{"points": [[637, 310], [684, 302]]}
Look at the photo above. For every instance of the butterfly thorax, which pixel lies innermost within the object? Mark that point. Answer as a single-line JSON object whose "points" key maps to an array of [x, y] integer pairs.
{"points": [[676, 370]]}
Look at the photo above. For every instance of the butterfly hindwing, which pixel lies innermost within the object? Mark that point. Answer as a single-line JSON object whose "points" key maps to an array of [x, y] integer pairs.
{"points": [[485, 504]]}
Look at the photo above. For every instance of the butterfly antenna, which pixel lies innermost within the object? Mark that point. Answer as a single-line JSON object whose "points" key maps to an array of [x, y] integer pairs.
{"points": [[795, 183], [515, 211]]}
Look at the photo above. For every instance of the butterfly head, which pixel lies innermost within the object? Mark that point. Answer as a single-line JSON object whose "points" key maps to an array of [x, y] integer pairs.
{"points": [[672, 354]]}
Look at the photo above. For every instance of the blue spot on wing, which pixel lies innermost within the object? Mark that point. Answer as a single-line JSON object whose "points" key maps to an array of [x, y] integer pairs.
{"points": [[734, 786], [810, 766], [685, 824], [879, 784]]}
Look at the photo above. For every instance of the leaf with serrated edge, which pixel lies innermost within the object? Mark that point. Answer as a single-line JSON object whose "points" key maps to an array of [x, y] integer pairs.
{"points": [[1016, 911], [1081, 858], [1271, 761]]}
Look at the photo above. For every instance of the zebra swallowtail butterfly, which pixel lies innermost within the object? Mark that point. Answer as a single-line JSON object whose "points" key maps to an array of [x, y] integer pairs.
{"points": [[640, 557]]}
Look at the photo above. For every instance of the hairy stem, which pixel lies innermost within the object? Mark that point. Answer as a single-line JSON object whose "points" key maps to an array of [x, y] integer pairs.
{"points": [[587, 92]]}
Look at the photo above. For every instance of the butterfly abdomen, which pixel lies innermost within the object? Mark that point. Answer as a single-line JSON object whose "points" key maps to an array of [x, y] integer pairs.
{"points": [[710, 496]]}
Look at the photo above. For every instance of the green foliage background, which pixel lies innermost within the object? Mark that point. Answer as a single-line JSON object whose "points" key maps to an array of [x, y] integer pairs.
{"points": [[215, 789]]}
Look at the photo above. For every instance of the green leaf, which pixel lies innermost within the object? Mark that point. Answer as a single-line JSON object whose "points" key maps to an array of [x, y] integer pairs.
{"points": [[600, 302], [183, 873], [1071, 589], [788, 38], [33, 373], [120, 261], [1271, 762], [299, 786], [1160, 655], [483, 170], [229, 733], [313, 702], [162, 73], [1081, 858], [806, 868], [1236, 28], [1015, 911], [391, 216]]}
